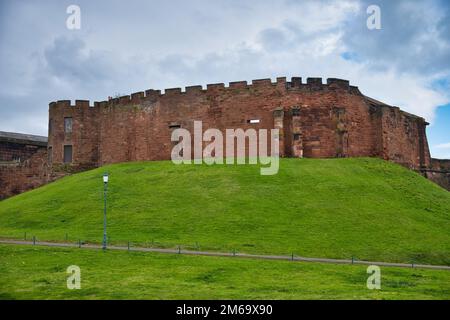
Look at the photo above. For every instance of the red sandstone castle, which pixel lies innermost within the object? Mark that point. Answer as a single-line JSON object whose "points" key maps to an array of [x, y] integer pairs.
{"points": [[314, 119]]}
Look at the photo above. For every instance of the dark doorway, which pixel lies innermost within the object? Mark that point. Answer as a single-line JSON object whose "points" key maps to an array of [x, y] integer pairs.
{"points": [[68, 154]]}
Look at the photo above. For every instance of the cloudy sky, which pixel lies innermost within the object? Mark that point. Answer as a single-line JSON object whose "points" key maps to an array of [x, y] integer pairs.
{"points": [[128, 46]]}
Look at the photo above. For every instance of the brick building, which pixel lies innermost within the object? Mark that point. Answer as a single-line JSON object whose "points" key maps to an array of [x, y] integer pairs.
{"points": [[23, 162]]}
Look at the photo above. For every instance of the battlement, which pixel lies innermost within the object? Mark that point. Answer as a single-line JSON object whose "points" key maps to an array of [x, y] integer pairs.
{"points": [[311, 84], [194, 89]]}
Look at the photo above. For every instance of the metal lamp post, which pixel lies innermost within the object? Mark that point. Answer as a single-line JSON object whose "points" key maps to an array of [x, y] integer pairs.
{"points": [[105, 187]]}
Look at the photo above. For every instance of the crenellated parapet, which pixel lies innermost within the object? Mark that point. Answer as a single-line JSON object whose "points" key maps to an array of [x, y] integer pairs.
{"points": [[311, 84]]}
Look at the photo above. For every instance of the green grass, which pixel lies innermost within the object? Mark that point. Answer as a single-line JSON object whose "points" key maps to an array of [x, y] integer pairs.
{"points": [[40, 273], [334, 208]]}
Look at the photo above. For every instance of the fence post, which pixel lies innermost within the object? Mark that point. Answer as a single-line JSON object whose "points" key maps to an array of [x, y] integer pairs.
{"points": [[79, 243], [34, 240], [234, 252], [353, 259], [128, 245], [292, 256], [179, 250]]}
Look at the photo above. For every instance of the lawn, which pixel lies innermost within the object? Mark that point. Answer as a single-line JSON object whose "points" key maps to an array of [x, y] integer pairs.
{"points": [[334, 208], [28, 272]]}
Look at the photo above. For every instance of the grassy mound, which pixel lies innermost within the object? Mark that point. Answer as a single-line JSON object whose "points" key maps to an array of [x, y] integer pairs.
{"points": [[335, 208]]}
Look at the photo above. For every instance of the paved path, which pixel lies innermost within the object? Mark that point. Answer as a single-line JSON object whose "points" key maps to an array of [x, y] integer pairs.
{"points": [[224, 254]]}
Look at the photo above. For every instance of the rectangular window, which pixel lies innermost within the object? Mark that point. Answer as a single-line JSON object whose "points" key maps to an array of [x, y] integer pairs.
{"points": [[50, 154], [68, 154], [67, 125], [295, 112]]}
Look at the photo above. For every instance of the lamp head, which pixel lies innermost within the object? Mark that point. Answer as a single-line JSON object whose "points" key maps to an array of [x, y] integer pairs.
{"points": [[105, 178]]}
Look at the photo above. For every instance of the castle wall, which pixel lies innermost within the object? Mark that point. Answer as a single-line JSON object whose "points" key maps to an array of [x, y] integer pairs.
{"points": [[315, 119], [22, 167], [439, 172], [83, 137], [404, 139]]}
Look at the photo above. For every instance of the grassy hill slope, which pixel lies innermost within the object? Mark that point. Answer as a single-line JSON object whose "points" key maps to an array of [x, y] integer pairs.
{"points": [[336, 208]]}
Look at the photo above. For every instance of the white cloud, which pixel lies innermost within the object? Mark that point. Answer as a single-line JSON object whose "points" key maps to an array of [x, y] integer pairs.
{"points": [[443, 146]]}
